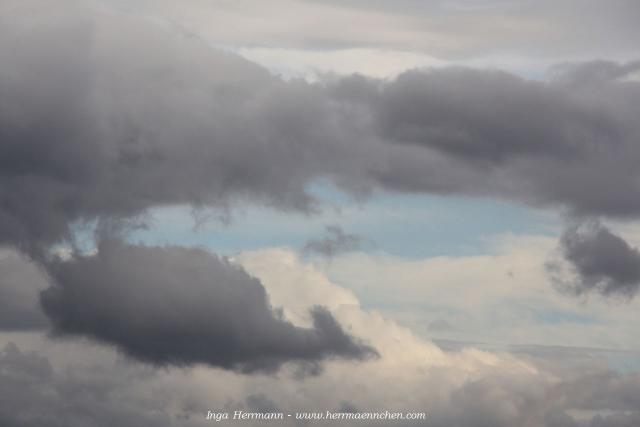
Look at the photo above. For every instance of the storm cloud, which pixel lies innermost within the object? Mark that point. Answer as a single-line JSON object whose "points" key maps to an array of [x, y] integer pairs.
{"points": [[194, 125], [96, 125], [498, 135], [177, 306], [97, 122], [603, 262]]}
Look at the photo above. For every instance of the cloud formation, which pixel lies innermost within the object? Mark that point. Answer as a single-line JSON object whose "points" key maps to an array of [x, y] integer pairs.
{"points": [[603, 262], [35, 393], [188, 124], [20, 284], [177, 306], [448, 29], [466, 387], [104, 116], [495, 134], [335, 242], [37, 389]]}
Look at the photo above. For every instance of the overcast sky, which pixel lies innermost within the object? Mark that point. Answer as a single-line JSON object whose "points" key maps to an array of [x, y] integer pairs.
{"points": [[298, 205]]}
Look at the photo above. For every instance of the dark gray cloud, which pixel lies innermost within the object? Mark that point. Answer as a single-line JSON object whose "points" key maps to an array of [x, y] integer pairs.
{"points": [[97, 121], [603, 261], [177, 306], [594, 73], [144, 126], [20, 283], [335, 242], [488, 116], [493, 134]]}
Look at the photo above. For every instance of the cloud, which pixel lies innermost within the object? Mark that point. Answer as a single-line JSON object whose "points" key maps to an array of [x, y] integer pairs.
{"points": [[145, 127], [335, 242], [444, 109], [105, 115], [497, 307], [488, 133], [467, 387], [504, 400], [440, 325], [314, 64], [595, 72], [176, 306], [114, 150], [36, 388], [602, 261], [20, 283], [448, 29], [34, 392]]}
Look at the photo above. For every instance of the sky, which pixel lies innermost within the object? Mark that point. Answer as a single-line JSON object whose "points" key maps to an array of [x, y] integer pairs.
{"points": [[314, 205]]}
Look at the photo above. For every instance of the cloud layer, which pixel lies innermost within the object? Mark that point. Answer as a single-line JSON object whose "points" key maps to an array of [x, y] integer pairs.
{"points": [[188, 124], [448, 29], [466, 387]]}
